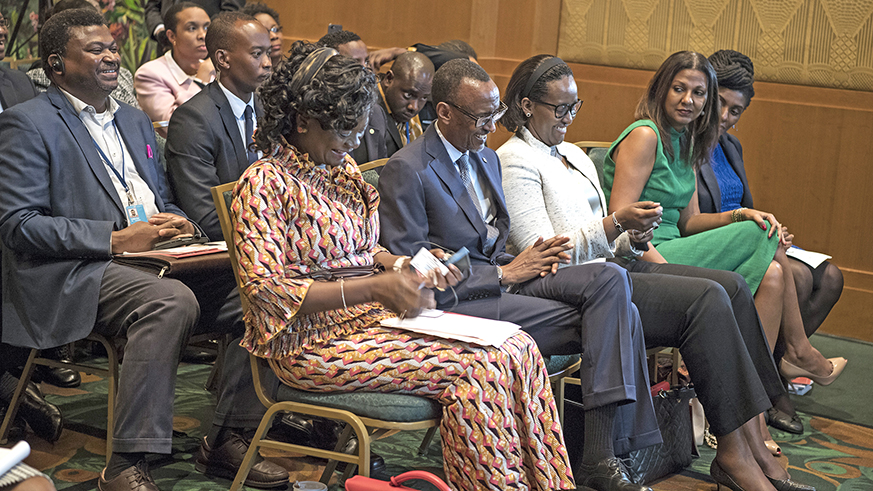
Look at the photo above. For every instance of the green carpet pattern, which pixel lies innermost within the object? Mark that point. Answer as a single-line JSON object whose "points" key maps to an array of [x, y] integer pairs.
{"points": [[831, 455]]}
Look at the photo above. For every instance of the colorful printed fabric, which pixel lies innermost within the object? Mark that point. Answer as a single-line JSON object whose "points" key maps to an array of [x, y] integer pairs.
{"points": [[293, 217], [500, 425]]}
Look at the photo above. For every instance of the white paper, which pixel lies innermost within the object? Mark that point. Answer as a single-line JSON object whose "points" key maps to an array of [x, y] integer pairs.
{"points": [[10, 457], [813, 259], [475, 330]]}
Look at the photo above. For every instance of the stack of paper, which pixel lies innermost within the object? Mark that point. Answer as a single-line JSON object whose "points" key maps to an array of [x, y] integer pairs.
{"points": [[474, 330]]}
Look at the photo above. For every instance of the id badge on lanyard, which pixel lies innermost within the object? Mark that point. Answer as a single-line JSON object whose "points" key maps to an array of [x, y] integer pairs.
{"points": [[134, 210]]}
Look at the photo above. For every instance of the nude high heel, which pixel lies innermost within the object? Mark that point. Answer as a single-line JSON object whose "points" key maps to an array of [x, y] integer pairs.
{"points": [[791, 371]]}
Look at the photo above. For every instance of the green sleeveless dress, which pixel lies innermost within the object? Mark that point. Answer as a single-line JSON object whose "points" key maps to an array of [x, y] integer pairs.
{"points": [[740, 247]]}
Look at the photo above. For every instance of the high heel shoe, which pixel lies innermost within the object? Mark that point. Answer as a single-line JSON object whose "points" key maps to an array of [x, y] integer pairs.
{"points": [[791, 371], [722, 478], [788, 484], [773, 447]]}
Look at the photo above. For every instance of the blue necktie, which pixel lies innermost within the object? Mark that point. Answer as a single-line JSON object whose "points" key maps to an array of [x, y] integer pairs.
{"points": [[250, 130]]}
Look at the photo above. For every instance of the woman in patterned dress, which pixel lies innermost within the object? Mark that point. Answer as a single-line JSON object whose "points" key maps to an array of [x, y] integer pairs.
{"points": [[304, 207]]}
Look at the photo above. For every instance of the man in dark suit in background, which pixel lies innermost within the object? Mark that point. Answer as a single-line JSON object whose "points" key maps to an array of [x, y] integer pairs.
{"points": [[394, 122], [209, 136], [76, 170], [15, 87], [155, 10], [445, 189]]}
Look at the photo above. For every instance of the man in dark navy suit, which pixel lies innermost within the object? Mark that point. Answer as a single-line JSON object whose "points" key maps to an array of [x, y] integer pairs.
{"points": [[80, 182]]}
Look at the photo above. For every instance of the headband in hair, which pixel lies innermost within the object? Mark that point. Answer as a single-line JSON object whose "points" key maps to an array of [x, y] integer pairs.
{"points": [[310, 67], [538, 73]]}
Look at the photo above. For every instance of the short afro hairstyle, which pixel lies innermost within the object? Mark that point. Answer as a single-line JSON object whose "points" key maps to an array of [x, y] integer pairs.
{"points": [[338, 96], [171, 16], [735, 71], [254, 9], [223, 30], [458, 46], [448, 78], [336, 39], [55, 33], [514, 119]]}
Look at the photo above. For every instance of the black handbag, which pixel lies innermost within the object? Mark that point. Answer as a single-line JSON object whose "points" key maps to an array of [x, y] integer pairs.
{"points": [[336, 274], [678, 449]]}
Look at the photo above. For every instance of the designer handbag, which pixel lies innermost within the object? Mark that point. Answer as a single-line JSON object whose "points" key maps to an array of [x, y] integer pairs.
{"points": [[336, 274], [361, 483], [674, 420]]}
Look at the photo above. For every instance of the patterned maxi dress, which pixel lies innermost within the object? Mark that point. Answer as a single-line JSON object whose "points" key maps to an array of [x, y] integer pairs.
{"points": [[499, 427]]}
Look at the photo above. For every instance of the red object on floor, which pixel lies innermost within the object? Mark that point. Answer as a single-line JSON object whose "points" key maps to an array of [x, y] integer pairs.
{"points": [[361, 483]]}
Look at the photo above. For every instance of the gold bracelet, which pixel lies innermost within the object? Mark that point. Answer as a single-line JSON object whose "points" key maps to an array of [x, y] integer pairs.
{"points": [[343, 293], [737, 215]]}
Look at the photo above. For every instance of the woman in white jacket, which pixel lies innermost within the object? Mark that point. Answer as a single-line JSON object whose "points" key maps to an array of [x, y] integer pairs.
{"points": [[552, 188]]}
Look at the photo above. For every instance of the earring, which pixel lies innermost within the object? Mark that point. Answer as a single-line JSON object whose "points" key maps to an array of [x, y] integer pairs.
{"points": [[527, 115], [302, 130]]}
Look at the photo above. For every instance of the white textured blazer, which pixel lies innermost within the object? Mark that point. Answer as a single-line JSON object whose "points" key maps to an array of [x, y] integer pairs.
{"points": [[545, 199]]}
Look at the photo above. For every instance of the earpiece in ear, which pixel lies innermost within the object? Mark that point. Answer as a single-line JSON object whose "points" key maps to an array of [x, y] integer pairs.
{"points": [[57, 64]]}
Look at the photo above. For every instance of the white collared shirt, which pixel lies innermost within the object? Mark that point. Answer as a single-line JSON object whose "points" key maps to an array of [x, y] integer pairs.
{"points": [[483, 195], [103, 132], [238, 106]]}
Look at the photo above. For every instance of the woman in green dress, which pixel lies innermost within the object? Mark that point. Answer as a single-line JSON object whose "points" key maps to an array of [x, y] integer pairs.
{"points": [[655, 159]]}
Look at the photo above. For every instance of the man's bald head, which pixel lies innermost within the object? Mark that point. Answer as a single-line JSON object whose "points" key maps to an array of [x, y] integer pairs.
{"points": [[407, 85]]}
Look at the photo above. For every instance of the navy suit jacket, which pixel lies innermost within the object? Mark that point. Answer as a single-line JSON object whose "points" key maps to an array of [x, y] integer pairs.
{"points": [[424, 200], [58, 209], [708, 193], [204, 149], [381, 138], [15, 87]]}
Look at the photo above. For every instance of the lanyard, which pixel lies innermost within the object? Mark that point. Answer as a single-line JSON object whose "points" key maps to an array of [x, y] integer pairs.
{"points": [[407, 132], [120, 176]]}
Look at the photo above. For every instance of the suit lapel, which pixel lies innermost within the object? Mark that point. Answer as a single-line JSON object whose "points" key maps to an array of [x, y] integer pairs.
{"points": [[229, 120], [85, 142], [392, 127], [7, 91], [136, 147], [445, 169]]}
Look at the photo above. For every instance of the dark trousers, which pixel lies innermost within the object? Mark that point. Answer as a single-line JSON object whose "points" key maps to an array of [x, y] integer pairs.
{"points": [[710, 316], [157, 316], [587, 309]]}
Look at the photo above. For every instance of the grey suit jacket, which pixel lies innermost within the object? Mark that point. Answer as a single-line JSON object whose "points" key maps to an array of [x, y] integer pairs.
{"points": [[15, 87], [424, 200], [708, 193], [58, 209], [204, 149]]}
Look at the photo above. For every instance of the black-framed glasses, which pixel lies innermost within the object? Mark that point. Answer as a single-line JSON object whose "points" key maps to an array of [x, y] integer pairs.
{"points": [[481, 121], [561, 110], [4, 22], [276, 29]]}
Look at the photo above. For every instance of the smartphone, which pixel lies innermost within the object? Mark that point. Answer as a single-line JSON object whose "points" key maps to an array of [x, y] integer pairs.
{"points": [[461, 260], [179, 241]]}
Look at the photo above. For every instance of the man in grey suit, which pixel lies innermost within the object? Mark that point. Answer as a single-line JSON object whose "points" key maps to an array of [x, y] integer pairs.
{"points": [[79, 182], [394, 122], [445, 189], [209, 135]]}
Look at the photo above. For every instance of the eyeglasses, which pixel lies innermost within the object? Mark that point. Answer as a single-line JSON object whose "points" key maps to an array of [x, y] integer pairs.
{"points": [[3, 22], [561, 110], [483, 120], [276, 29]]}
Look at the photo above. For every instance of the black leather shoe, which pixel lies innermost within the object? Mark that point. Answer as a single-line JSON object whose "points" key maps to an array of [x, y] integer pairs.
{"points": [[225, 460], [44, 418], [292, 428], [609, 474], [195, 356], [326, 433], [135, 478], [18, 428], [60, 377], [781, 421]]}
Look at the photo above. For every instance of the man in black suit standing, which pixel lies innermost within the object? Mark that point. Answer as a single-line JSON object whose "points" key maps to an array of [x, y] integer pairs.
{"points": [[394, 122], [209, 137]]}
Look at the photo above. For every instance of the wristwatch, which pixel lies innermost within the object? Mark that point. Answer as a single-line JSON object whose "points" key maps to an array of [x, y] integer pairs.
{"points": [[499, 275]]}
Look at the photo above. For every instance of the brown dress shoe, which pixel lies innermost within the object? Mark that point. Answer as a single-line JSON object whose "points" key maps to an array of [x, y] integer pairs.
{"points": [[135, 478], [226, 459]]}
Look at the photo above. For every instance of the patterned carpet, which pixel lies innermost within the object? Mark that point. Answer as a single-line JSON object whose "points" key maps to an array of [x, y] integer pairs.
{"points": [[831, 455]]}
